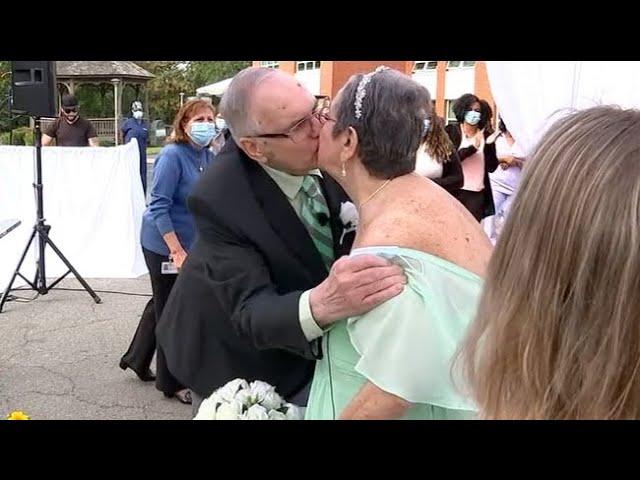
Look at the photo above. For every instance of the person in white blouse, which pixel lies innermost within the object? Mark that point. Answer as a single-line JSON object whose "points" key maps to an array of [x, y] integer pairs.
{"points": [[437, 159], [504, 180]]}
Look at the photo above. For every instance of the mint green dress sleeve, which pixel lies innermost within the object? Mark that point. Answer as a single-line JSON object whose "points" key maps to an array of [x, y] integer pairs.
{"points": [[406, 345]]}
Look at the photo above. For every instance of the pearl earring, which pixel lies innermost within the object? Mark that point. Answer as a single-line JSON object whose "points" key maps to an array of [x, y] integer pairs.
{"points": [[344, 171]]}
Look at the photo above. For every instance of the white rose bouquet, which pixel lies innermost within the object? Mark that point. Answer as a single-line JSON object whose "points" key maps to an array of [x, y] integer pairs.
{"points": [[239, 400]]}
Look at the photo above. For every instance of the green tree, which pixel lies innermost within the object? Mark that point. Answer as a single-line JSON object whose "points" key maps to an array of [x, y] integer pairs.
{"points": [[173, 78], [204, 73], [164, 90], [5, 90]]}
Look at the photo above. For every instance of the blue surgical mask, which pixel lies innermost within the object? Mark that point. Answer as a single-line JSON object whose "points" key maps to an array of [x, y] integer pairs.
{"points": [[472, 117], [202, 132]]}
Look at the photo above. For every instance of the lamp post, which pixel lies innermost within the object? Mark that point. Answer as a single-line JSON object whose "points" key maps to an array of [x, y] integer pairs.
{"points": [[181, 99], [116, 107]]}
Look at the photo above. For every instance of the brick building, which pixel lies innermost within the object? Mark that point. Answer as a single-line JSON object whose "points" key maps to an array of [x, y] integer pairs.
{"points": [[445, 80]]}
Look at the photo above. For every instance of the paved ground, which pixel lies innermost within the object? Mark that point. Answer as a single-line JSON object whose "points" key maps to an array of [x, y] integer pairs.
{"points": [[59, 356]]}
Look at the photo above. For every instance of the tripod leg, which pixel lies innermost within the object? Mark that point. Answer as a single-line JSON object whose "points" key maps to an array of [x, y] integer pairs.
{"points": [[5, 294], [86, 286]]}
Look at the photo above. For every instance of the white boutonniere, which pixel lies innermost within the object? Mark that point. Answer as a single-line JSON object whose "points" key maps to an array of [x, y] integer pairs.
{"points": [[349, 217]]}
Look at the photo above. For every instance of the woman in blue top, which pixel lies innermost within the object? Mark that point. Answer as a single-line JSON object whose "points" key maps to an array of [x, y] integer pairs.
{"points": [[168, 231], [394, 362]]}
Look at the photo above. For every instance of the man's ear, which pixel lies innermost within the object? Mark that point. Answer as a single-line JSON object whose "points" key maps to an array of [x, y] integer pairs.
{"points": [[349, 144], [253, 148]]}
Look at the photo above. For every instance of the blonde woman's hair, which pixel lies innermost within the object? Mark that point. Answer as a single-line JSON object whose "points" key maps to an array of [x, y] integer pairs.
{"points": [[557, 333], [436, 142]]}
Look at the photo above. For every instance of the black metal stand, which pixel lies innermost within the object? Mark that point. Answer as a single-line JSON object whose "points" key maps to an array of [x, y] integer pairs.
{"points": [[41, 230]]}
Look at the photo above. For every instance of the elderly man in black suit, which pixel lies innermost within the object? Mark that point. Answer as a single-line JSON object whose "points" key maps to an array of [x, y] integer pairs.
{"points": [[265, 277]]}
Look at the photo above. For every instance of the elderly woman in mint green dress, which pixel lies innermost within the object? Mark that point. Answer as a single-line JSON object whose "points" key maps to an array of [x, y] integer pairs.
{"points": [[395, 362]]}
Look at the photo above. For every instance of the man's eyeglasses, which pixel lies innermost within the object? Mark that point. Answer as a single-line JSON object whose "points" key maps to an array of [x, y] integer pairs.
{"points": [[69, 109], [301, 129]]}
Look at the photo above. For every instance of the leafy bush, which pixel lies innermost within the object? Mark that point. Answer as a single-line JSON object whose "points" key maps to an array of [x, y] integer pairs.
{"points": [[29, 138], [21, 136]]}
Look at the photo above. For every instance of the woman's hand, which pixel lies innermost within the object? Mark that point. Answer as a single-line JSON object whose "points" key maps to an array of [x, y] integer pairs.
{"points": [[373, 403], [178, 257], [506, 162], [177, 253], [493, 137]]}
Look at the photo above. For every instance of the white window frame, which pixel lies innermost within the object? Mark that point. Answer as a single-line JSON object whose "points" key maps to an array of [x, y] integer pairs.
{"points": [[306, 65], [270, 64], [425, 66], [461, 64], [448, 109]]}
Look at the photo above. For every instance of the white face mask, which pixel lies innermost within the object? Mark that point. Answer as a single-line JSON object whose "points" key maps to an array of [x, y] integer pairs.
{"points": [[220, 123], [138, 114]]}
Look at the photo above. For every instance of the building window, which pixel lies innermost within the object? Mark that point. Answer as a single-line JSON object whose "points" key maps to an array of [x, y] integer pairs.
{"points": [[460, 64], [307, 65], [270, 64], [424, 66], [450, 117]]}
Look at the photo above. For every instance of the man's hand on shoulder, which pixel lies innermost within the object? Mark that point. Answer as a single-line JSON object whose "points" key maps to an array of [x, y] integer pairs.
{"points": [[354, 286]]}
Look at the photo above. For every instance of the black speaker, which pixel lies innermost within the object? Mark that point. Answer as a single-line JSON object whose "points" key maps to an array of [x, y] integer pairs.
{"points": [[34, 88]]}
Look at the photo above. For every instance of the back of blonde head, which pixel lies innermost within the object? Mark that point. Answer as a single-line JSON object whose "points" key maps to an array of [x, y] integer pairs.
{"points": [[557, 334]]}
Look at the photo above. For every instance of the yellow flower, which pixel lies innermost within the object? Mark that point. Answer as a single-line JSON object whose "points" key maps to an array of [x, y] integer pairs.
{"points": [[18, 415]]}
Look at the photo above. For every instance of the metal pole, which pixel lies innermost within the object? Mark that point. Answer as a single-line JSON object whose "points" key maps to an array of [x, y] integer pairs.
{"points": [[41, 279], [115, 100], [116, 112]]}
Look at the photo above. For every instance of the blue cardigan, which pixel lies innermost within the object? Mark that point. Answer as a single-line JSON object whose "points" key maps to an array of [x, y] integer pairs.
{"points": [[175, 172]]}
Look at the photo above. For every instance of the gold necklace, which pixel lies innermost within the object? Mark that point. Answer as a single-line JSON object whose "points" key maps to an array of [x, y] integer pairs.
{"points": [[377, 191]]}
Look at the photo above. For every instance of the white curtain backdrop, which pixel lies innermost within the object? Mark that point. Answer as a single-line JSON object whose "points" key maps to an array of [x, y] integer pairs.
{"points": [[531, 95], [93, 200]]}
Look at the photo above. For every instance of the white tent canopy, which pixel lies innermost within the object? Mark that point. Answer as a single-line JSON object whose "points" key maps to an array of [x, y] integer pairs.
{"points": [[531, 95], [217, 88]]}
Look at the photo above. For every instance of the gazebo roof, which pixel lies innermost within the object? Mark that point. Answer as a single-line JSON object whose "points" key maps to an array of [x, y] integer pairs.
{"points": [[84, 70]]}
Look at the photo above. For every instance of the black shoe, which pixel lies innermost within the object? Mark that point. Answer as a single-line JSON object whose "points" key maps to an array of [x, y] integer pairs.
{"points": [[147, 376], [183, 396]]}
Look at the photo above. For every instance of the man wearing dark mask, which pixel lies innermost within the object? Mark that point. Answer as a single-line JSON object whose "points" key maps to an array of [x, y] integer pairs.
{"points": [[136, 127], [70, 129]]}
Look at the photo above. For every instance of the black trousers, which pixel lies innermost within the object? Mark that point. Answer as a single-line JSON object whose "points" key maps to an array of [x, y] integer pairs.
{"points": [[473, 201], [143, 344]]}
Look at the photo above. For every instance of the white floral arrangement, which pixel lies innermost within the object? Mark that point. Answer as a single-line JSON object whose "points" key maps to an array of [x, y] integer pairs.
{"points": [[349, 218], [240, 400]]}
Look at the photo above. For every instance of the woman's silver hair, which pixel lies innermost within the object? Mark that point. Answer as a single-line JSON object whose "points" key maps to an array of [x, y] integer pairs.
{"points": [[387, 109], [236, 103]]}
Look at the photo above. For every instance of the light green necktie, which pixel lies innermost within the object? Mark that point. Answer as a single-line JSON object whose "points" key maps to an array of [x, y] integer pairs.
{"points": [[314, 206]]}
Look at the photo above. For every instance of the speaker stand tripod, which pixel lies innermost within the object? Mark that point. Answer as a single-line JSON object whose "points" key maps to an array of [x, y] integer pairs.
{"points": [[41, 232]]}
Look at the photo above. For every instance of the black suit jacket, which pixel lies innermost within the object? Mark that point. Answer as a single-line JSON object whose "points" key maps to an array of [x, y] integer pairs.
{"points": [[233, 311]]}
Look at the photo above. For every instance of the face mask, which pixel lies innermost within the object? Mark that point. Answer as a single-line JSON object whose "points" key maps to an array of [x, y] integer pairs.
{"points": [[426, 125], [202, 133], [138, 114], [472, 117], [220, 123]]}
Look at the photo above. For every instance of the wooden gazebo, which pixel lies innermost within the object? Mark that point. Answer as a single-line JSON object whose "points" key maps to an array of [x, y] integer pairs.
{"points": [[117, 75]]}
